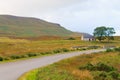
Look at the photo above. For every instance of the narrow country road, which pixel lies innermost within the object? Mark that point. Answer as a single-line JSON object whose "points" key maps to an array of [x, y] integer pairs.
{"points": [[13, 70]]}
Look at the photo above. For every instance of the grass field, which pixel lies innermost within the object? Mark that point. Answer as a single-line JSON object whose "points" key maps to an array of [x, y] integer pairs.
{"points": [[22, 48], [96, 66]]}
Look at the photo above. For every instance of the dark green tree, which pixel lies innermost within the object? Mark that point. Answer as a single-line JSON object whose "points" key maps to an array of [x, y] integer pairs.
{"points": [[100, 33], [109, 33], [103, 32]]}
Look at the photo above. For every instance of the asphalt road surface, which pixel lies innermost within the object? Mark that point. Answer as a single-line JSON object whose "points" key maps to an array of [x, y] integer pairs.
{"points": [[13, 70]]}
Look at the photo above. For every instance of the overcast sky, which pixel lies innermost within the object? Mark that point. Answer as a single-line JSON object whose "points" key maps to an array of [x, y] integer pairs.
{"points": [[75, 15]]}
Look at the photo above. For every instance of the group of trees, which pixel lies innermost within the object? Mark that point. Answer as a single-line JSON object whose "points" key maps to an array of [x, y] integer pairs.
{"points": [[102, 33]]}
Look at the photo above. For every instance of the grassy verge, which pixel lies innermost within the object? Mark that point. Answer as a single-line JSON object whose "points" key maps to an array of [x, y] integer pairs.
{"points": [[31, 55], [35, 55], [100, 66], [14, 57], [30, 75], [48, 73]]}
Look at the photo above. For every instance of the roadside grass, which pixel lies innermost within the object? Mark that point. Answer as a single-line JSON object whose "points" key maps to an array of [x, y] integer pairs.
{"points": [[54, 74], [30, 76], [13, 49], [106, 66], [48, 73]]}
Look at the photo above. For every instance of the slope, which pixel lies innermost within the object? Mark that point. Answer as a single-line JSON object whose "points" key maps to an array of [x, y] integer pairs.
{"points": [[29, 27]]}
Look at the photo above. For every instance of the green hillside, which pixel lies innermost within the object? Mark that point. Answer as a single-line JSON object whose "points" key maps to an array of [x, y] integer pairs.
{"points": [[29, 27]]}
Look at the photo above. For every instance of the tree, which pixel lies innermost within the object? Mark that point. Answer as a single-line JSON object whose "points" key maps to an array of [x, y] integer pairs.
{"points": [[103, 32], [100, 33], [109, 33]]}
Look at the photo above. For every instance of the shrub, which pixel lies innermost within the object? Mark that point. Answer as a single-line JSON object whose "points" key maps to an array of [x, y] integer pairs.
{"points": [[104, 67], [6, 58], [102, 71], [42, 53], [84, 49], [57, 51], [31, 54], [65, 50], [48, 52], [88, 66], [93, 47], [24, 56], [109, 50], [98, 67], [103, 75], [1, 58], [71, 38], [117, 49], [15, 56], [18, 56], [114, 74]]}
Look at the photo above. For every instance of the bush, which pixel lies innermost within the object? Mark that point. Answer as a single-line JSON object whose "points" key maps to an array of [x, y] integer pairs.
{"points": [[42, 53], [6, 58], [31, 54], [65, 50], [57, 51], [98, 67], [1, 58], [109, 50], [103, 75], [24, 56], [93, 47], [88, 66], [15, 56], [48, 52], [117, 49], [114, 74], [102, 71], [104, 67], [84, 48], [71, 38]]}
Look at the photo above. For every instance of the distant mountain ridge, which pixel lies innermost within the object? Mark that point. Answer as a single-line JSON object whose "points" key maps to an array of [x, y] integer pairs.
{"points": [[77, 34], [30, 27], [15, 26]]}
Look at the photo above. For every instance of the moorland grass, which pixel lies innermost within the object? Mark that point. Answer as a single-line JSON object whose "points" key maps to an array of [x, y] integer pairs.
{"points": [[11, 49]]}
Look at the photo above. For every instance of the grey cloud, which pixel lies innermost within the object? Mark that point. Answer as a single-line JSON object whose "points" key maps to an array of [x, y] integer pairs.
{"points": [[34, 6]]}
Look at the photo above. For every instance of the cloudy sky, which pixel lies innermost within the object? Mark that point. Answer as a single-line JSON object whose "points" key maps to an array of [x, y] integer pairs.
{"points": [[75, 15]]}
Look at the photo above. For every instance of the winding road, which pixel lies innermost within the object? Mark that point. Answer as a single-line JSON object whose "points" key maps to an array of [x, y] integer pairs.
{"points": [[13, 70]]}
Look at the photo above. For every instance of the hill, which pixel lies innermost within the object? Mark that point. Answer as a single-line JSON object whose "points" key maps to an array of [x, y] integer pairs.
{"points": [[29, 27]]}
